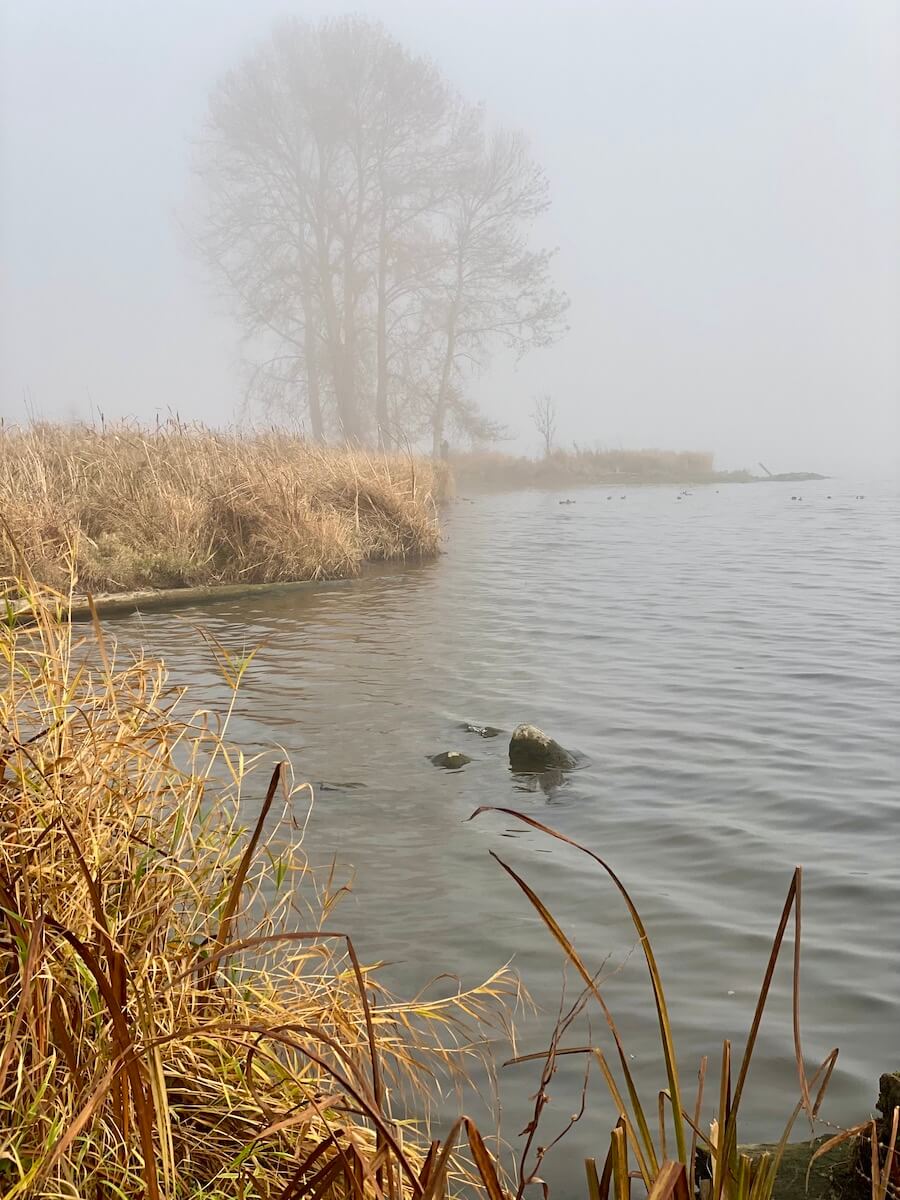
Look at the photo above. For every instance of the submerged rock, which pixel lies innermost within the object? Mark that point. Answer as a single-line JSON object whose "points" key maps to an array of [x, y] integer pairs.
{"points": [[449, 760], [530, 749], [889, 1094], [485, 731]]}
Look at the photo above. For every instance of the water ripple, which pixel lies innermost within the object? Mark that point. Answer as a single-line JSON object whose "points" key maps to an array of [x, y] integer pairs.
{"points": [[730, 667]]}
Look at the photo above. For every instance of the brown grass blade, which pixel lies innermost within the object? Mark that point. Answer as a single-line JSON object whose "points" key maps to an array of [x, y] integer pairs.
{"points": [[695, 1124], [35, 945], [647, 1170], [237, 886], [487, 1171], [619, 1151], [590, 983], [795, 1001], [143, 1108], [832, 1143], [670, 1183], [377, 1084], [764, 990], [595, 1191], [885, 1172], [665, 1029], [365, 1102], [438, 1174]]}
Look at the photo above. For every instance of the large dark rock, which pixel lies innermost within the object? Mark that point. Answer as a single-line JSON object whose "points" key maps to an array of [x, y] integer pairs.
{"points": [[800, 1178], [449, 760], [530, 749], [861, 1180], [889, 1095]]}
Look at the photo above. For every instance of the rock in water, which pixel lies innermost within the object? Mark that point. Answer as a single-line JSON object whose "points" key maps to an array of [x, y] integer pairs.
{"points": [[530, 749], [485, 731], [450, 760], [889, 1096]]}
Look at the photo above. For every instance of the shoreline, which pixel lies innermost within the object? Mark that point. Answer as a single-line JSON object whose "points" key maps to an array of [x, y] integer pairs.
{"points": [[135, 600], [78, 607], [547, 479], [128, 512]]}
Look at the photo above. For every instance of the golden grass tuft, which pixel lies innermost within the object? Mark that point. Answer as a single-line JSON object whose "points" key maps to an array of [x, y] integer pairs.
{"points": [[179, 1018], [180, 506]]}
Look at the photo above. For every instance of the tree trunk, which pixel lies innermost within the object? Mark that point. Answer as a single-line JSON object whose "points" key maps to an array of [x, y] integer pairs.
{"points": [[382, 416], [313, 389], [338, 352], [349, 406], [443, 397], [439, 418]]}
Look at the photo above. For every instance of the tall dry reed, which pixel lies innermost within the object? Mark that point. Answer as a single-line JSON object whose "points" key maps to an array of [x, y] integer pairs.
{"points": [[128, 508]]}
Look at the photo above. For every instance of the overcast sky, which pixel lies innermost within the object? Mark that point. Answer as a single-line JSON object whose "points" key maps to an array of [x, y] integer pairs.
{"points": [[726, 203]]}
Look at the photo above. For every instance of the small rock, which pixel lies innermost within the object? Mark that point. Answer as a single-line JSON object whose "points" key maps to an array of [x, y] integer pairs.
{"points": [[485, 731], [530, 749], [450, 760]]}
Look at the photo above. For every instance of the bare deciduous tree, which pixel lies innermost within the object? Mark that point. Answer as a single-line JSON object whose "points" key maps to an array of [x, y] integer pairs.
{"points": [[371, 231], [544, 416]]}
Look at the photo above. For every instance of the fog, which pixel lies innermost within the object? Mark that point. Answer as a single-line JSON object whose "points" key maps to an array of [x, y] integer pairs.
{"points": [[725, 197]]}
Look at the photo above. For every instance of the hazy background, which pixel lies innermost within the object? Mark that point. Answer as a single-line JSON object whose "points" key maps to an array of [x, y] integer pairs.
{"points": [[726, 200]]}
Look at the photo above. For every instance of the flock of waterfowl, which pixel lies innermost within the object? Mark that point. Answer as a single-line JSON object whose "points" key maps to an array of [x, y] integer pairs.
{"points": [[683, 494]]}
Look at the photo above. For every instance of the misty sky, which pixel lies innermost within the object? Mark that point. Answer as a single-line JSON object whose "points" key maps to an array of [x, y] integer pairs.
{"points": [[726, 203]]}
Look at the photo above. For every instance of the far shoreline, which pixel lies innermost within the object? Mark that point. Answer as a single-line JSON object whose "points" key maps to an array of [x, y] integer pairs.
{"points": [[551, 481]]}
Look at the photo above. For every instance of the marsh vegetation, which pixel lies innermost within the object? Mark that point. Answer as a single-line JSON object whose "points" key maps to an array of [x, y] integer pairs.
{"points": [[121, 508]]}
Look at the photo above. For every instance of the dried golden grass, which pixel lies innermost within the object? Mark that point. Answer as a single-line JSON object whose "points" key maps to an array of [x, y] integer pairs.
{"points": [[177, 1016], [180, 506]]}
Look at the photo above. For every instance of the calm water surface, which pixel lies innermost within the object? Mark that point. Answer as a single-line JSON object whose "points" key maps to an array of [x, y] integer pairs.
{"points": [[730, 666]]}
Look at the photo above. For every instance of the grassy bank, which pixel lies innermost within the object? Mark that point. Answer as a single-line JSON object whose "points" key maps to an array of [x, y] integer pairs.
{"points": [[127, 508], [572, 468]]}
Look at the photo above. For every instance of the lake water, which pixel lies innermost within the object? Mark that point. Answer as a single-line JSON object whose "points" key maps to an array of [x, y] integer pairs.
{"points": [[729, 664]]}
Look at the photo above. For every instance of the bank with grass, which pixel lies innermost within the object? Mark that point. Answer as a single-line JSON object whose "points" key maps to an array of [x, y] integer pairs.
{"points": [[124, 508]]}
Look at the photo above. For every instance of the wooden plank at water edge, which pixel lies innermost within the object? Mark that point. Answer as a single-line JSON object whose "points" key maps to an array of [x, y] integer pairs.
{"points": [[670, 1183]]}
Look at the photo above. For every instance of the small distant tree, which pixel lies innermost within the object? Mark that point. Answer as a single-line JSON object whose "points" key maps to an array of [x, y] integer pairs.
{"points": [[544, 416]]}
